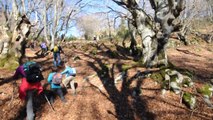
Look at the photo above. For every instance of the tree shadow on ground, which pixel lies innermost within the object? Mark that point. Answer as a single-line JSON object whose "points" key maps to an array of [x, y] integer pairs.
{"points": [[124, 108], [6, 80]]}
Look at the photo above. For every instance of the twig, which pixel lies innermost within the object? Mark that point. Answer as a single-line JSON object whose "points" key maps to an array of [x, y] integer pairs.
{"points": [[181, 96], [192, 113]]}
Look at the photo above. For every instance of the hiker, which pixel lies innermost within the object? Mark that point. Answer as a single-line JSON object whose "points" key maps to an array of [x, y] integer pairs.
{"points": [[57, 50], [70, 74], [30, 84], [44, 48], [55, 79]]}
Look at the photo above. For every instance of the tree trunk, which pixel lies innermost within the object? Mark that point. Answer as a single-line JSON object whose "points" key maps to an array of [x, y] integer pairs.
{"points": [[57, 11], [4, 42], [45, 24], [155, 33], [132, 32], [166, 13], [53, 32], [146, 33], [12, 50]]}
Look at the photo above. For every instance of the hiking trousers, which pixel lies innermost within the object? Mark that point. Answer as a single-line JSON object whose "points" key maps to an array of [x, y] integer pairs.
{"points": [[29, 105], [57, 59], [59, 92], [70, 81]]}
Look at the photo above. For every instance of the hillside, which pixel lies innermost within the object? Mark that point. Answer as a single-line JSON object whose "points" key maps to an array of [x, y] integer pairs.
{"points": [[99, 98]]}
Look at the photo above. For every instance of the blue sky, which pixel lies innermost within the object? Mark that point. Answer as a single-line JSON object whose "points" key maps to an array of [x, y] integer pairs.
{"points": [[95, 6], [102, 6], [92, 7]]}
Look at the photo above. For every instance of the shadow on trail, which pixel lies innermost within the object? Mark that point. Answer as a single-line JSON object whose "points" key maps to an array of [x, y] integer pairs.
{"points": [[124, 108], [6, 80], [127, 106]]}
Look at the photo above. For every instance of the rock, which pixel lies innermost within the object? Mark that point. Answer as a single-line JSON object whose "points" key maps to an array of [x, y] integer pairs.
{"points": [[175, 87], [189, 100], [179, 77], [120, 77], [167, 77], [163, 92], [187, 82]]}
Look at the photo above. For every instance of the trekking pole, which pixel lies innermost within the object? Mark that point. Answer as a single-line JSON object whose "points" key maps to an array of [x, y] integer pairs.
{"points": [[49, 102]]}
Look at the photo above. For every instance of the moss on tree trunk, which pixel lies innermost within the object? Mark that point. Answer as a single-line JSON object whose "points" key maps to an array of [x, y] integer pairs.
{"points": [[9, 62]]}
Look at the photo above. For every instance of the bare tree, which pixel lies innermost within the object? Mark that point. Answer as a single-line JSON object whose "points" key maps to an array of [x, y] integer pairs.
{"points": [[58, 16], [211, 8], [14, 35], [20, 34], [57, 12], [70, 16], [51, 16], [155, 32]]}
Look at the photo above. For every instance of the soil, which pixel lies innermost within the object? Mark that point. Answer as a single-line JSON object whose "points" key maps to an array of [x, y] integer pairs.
{"points": [[99, 98]]}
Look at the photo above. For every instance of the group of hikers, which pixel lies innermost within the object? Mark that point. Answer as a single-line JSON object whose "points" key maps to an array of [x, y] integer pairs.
{"points": [[31, 74]]}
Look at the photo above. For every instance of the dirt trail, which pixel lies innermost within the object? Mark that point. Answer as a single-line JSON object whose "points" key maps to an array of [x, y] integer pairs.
{"points": [[100, 99], [198, 59]]}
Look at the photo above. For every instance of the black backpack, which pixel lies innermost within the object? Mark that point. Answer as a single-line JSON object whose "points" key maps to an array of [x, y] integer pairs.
{"points": [[33, 72]]}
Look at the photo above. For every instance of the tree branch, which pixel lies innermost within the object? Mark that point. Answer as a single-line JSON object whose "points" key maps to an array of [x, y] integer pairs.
{"points": [[152, 2], [120, 3]]}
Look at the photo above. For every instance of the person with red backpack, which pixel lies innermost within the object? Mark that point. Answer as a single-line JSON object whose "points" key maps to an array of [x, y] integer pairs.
{"points": [[31, 77], [55, 79]]}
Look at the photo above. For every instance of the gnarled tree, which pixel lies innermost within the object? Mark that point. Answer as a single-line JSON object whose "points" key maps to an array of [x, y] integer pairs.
{"points": [[14, 30], [13, 49], [155, 32]]}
